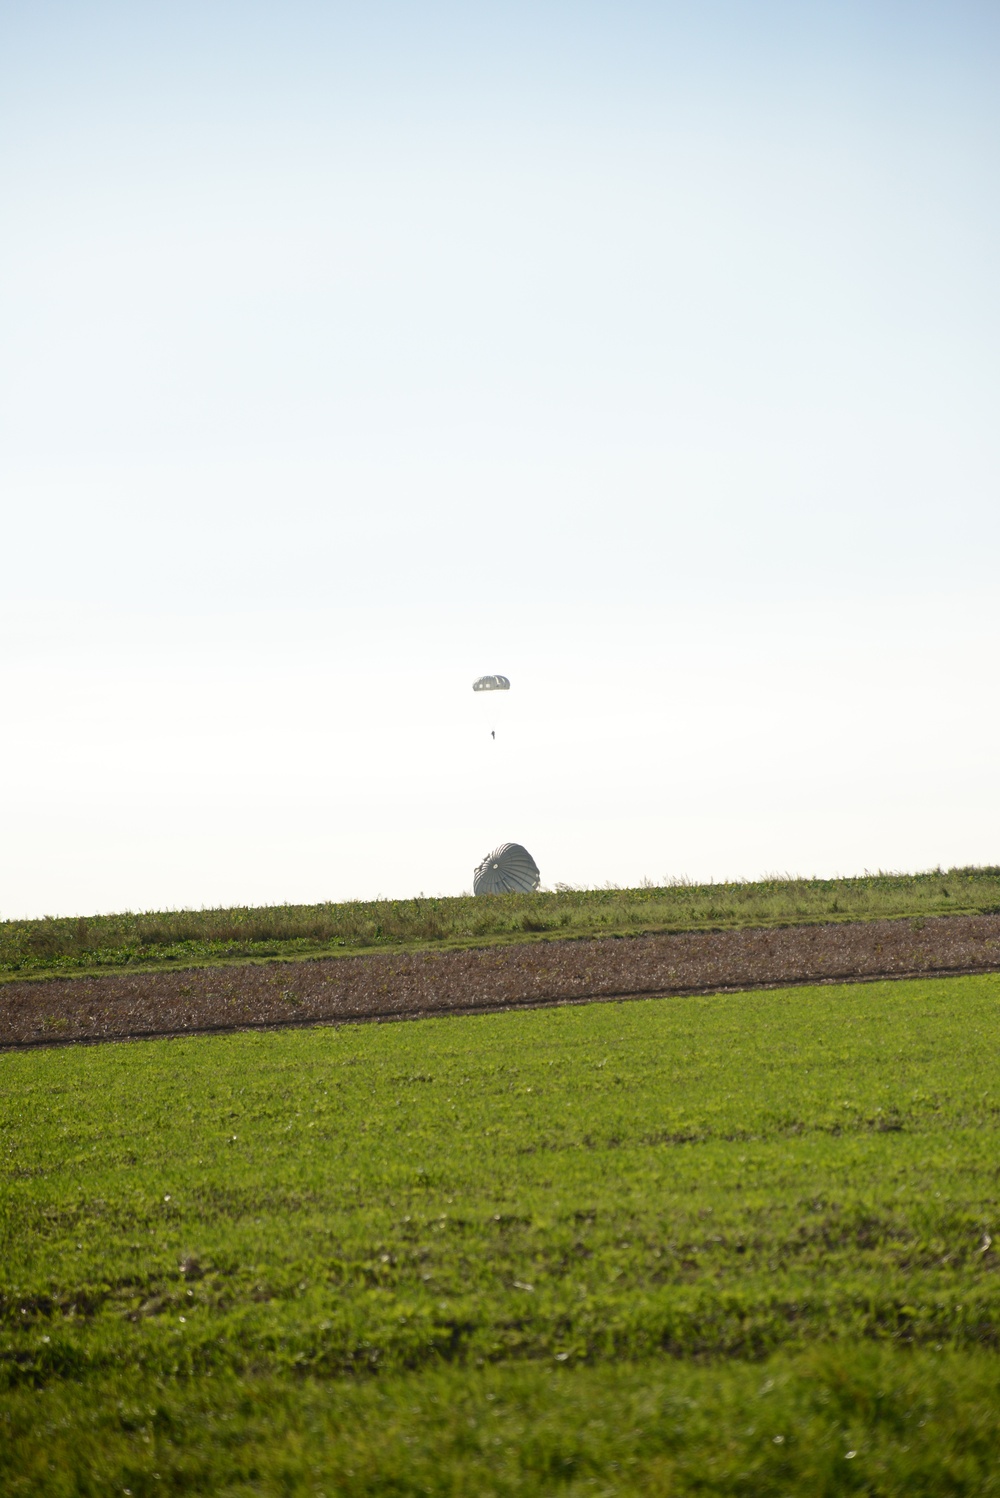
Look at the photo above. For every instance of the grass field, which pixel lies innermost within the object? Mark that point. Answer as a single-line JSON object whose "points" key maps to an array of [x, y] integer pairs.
{"points": [[706, 1245], [162, 938]]}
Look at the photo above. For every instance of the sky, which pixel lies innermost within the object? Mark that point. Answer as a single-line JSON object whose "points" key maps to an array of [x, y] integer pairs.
{"points": [[647, 354]]}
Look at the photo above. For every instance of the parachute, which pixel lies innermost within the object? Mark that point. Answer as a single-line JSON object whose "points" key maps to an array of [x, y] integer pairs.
{"points": [[491, 684], [509, 869]]}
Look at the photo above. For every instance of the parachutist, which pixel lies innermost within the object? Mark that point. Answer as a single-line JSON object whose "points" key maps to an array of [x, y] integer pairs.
{"points": [[492, 684]]}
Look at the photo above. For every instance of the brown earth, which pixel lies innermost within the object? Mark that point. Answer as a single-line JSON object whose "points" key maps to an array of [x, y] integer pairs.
{"points": [[119, 1006]]}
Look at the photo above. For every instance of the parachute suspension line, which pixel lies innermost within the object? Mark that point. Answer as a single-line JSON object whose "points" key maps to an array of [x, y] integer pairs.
{"points": [[492, 684]]}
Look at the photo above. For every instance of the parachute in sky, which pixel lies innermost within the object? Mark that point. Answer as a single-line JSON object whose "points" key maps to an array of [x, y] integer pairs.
{"points": [[509, 869], [492, 685]]}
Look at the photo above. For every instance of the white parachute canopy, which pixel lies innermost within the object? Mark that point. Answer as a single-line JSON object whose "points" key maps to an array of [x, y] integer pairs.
{"points": [[509, 869], [491, 684]]}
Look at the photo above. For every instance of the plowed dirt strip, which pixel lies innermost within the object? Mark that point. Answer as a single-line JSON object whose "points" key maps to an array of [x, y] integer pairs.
{"points": [[385, 986]]}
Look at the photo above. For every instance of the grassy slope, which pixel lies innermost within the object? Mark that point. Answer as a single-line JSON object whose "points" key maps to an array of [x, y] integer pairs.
{"points": [[153, 939], [450, 1256]]}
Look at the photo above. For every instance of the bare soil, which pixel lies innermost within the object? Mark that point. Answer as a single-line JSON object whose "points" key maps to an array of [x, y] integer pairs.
{"points": [[120, 1006]]}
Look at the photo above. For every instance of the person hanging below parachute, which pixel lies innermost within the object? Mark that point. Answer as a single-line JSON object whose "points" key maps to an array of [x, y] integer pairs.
{"points": [[492, 684]]}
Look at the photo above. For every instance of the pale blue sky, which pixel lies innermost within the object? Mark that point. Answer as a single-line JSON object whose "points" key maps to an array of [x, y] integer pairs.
{"points": [[645, 353]]}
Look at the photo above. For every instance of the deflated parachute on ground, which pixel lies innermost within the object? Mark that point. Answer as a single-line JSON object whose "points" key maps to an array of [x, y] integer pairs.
{"points": [[509, 869]]}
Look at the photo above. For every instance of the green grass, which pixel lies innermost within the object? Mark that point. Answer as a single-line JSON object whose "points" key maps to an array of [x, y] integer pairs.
{"points": [[193, 937], [617, 1248], [822, 1423]]}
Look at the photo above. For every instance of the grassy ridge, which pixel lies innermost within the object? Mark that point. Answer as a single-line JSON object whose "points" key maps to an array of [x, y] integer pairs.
{"points": [[204, 1245], [193, 936]]}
